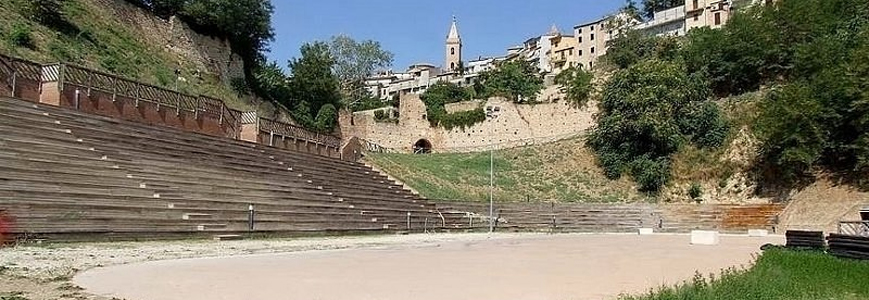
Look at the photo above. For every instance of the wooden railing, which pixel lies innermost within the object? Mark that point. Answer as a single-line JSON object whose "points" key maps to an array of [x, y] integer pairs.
{"points": [[88, 80], [296, 132], [854, 228]]}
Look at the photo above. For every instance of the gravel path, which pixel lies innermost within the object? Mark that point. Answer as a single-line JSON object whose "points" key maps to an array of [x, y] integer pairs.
{"points": [[45, 271]]}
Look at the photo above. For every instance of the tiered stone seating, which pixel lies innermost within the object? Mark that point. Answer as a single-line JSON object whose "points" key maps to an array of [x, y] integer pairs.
{"points": [[68, 172], [572, 217]]}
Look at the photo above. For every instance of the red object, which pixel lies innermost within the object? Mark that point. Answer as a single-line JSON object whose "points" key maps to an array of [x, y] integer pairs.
{"points": [[5, 227]]}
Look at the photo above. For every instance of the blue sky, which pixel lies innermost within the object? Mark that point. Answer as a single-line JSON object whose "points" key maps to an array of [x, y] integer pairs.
{"points": [[415, 30]]}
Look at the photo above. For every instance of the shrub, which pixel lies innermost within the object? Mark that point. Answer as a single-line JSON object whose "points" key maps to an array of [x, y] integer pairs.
{"points": [[648, 112], [46, 12], [695, 191], [577, 84], [20, 36], [442, 93]]}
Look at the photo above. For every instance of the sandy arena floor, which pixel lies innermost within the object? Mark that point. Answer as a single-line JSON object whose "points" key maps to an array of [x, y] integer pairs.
{"points": [[504, 267]]}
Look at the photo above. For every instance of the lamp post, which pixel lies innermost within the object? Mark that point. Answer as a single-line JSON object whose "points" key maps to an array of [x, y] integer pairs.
{"points": [[491, 188]]}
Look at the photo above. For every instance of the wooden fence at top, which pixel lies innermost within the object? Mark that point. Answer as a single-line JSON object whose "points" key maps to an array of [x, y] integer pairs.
{"points": [[14, 71]]}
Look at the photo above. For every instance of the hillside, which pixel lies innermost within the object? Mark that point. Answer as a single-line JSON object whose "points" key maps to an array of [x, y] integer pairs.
{"points": [[116, 37], [560, 171]]}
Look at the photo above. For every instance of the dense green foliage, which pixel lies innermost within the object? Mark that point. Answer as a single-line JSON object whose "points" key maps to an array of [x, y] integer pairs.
{"points": [[577, 84], [516, 80], [20, 36], [777, 275], [313, 89], [442, 93], [648, 112], [354, 62], [46, 12], [632, 47]]}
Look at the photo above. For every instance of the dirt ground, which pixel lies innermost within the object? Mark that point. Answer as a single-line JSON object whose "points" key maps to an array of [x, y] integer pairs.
{"points": [[463, 266]]}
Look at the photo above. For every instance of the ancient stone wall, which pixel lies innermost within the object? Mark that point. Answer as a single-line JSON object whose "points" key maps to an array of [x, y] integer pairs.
{"points": [[212, 56], [508, 125]]}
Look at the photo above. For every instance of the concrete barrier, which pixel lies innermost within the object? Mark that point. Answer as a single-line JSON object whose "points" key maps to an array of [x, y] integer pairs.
{"points": [[702, 237], [646, 231], [758, 232]]}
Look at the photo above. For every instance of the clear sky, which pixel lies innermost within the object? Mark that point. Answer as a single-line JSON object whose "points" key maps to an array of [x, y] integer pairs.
{"points": [[415, 30]]}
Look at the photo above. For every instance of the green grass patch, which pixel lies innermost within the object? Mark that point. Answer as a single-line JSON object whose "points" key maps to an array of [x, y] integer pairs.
{"points": [[563, 171], [777, 275]]}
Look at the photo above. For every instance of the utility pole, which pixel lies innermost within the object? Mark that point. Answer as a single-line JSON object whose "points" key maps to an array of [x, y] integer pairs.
{"points": [[491, 188]]}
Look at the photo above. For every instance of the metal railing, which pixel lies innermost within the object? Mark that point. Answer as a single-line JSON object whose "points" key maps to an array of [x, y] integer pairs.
{"points": [[854, 228]]}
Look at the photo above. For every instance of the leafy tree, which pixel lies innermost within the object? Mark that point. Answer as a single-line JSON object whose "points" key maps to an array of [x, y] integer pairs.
{"points": [[316, 89], [577, 84], [355, 61], [517, 80], [648, 112], [633, 46], [652, 6]]}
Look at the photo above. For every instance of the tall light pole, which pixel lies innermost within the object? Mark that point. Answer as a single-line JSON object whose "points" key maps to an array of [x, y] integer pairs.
{"points": [[491, 188]]}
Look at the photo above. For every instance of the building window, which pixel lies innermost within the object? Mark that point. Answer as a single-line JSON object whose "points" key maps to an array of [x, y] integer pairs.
{"points": [[452, 66], [452, 51], [580, 39], [592, 50], [592, 37], [717, 18], [695, 4], [580, 52], [570, 52], [696, 18], [592, 27], [590, 65]]}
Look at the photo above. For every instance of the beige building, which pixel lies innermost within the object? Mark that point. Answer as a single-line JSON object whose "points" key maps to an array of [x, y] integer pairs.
{"points": [[564, 53], [592, 37], [706, 13]]}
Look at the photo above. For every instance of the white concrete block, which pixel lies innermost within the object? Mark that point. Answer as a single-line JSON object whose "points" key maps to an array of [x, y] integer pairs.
{"points": [[646, 231], [758, 232], [702, 237]]}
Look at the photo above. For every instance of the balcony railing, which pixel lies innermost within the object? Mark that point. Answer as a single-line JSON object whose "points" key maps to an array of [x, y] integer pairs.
{"points": [[854, 228]]}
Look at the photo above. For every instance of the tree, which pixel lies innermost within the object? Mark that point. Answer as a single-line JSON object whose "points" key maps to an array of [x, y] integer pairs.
{"points": [[633, 46], [313, 90], [652, 6], [648, 112], [355, 61], [46, 12], [577, 84], [517, 80]]}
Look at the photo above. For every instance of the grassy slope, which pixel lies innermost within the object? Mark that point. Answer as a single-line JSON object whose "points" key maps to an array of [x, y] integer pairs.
{"points": [[562, 171], [567, 171], [778, 275], [100, 40]]}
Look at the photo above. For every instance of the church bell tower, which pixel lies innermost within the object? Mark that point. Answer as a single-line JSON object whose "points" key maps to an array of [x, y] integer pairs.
{"points": [[454, 49]]}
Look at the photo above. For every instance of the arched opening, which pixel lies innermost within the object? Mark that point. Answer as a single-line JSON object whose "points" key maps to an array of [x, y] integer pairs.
{"points": [[452, 66], [452, 51], [422, 146]]}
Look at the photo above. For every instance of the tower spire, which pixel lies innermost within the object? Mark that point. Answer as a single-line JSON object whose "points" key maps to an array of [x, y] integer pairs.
{"points": [[454, 30]]}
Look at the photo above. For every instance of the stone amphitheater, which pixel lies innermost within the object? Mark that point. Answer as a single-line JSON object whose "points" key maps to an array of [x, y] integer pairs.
{"points": [[88, 156]]}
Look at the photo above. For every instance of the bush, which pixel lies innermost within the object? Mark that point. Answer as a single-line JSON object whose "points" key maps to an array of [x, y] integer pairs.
{"points": [[442, 93], [648, 112], [577, 84], [20, 36], [46, 12], [695, 191]]}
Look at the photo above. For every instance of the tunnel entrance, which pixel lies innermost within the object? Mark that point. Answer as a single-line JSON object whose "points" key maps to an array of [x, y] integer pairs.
{"points": [[422, 146]]}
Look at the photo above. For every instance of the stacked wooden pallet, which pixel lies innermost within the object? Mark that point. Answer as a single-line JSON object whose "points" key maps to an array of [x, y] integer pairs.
{"points": [[805, 239], [849, 246]]}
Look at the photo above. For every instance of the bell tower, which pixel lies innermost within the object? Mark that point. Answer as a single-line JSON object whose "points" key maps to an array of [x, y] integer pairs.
{"points": [[453, 49]]}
